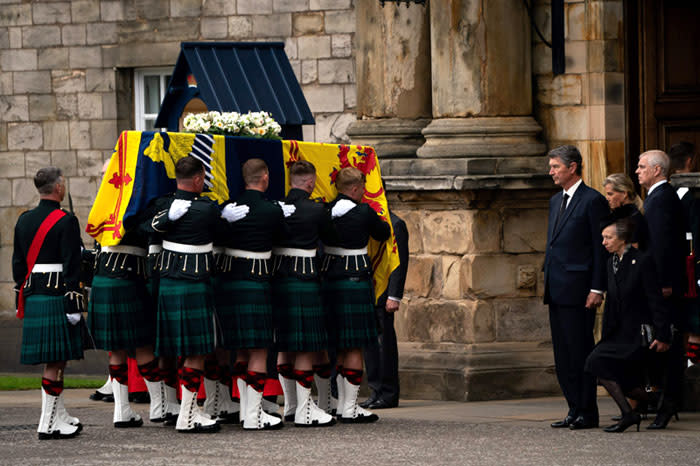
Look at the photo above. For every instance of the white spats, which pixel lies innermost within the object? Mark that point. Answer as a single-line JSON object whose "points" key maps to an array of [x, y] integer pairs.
{"points": [[307, 414], [256, 418], [350, 411], [124, 416], [191, 419], [51, 425], [290, 397]]}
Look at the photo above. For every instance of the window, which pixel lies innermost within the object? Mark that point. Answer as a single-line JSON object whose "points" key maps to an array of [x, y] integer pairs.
{"points": [[150, 85]]}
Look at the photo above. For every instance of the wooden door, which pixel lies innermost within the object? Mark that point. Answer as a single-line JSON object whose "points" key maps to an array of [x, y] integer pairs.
{"points": [[667, 82]]}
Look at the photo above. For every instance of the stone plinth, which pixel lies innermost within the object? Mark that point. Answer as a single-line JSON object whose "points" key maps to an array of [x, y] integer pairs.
{"points": [[390, 137]]}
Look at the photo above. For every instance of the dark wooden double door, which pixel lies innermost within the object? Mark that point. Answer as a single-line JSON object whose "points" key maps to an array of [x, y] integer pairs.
{"points": [[663, 74]]}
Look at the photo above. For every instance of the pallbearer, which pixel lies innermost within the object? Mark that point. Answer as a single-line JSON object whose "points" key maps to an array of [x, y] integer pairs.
{"points": [[188, 223], [299, 314], [348, 291], [46, 268], [246, 316]]}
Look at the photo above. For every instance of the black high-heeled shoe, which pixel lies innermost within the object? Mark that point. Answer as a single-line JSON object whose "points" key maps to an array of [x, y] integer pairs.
{"points": [[663, 418], [627, 420]]}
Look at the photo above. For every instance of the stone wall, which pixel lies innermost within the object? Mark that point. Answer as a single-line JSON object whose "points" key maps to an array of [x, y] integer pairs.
{"points": [[66, 80], [584, 106]]}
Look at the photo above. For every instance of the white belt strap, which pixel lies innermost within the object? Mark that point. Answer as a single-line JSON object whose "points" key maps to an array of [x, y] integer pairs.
{"points": [[294, 252], [188, 248], [47, 268], [124, 249], [155, 249], [248, 254], [344, 252]]}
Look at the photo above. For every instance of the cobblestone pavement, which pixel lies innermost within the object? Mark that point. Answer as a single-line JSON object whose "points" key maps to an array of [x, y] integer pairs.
{"points": [[513, 432]]}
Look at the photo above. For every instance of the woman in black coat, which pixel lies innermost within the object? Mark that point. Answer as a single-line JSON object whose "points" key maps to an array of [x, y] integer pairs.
{"points": [[634, 298], [624, 202]]}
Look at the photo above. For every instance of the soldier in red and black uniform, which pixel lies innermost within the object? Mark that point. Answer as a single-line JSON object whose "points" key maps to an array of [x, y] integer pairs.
{"points": [[46, 271]]}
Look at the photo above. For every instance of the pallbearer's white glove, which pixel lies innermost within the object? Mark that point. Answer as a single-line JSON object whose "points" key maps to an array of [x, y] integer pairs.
{"points": [[287, 209], [178, 208], [342, 207], [233, 213], [73, 318]]}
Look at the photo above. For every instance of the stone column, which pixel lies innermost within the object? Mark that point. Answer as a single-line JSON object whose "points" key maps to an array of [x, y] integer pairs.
{"points": [[393, 77], [481, 83]]}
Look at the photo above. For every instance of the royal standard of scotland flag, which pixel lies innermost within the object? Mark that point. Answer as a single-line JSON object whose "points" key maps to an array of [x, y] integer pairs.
{"points": [[142, 168]]}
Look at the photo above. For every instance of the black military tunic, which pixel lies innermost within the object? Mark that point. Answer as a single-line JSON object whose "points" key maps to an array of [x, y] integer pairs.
{"points": [[299, 318], [347, 278], [246, 313], [47, 334]]}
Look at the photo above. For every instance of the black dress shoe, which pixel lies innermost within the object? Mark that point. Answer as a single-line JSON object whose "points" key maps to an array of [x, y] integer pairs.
{"points": [[372, 399], [383, 404], [663, 418], [627, 420], [563, 423], [582, 423]]}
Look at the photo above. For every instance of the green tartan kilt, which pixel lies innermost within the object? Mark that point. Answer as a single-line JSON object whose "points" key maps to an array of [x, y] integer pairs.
{"points": [[185, 318], [152, 285], [300, 323], [120, 314], [245, 312], [47, 336], [350, 314]]}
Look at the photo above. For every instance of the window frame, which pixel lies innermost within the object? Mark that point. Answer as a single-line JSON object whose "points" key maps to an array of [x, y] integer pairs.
{"points": [[140, 115]]}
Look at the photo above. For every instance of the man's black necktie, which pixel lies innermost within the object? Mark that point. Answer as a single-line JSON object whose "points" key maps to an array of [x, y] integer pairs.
{"points": [[562, 208]]}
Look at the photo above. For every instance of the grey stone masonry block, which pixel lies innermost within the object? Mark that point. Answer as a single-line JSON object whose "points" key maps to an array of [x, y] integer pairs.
{"points": [[109, 105], [52, 59], [85, 57], [4, 38], [51, 12], [74, 34], [42, 107], [85, 11], [136, 31], [330, 4], [24, 136], [3, 137], [177, 30], [14, 108], [68, 81], [56, 135], [35, 161], [309, 71], [296, 68], [83, 190], [277, 25], [89, 162], [111, 11], [284, 6], [6, 83], [327, 98], [16, 15], [24, 193], [314, 47], [32, 82], [89, 106], [66, 106], [12, 164], [218, 8], [339, 22], [254, 7], [214, 28], [110, 56], [337, 70], [290, 48], [102, 33], [100, 80], [341, 45], [40, 36], [15, 38], [147, 54], [104, 134], [350, 96], [145, 9], [187, 8], [66, 160], [79, 133], [240, 27], [6, 200], [18, 60]]}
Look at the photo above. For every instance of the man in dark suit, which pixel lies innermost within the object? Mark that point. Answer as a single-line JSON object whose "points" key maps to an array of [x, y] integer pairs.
{"points": [[382, 357], [574, 273], [667, 226]]}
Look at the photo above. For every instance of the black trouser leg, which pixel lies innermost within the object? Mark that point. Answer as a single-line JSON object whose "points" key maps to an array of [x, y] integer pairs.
{"points": [[389, 360]]}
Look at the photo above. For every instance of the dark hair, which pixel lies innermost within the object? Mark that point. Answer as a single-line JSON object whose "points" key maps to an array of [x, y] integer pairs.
{"points": [[188, 167], [568, 155], [253, 170], [46, 178], [679, 153], [624, 225], [302, 168]]}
